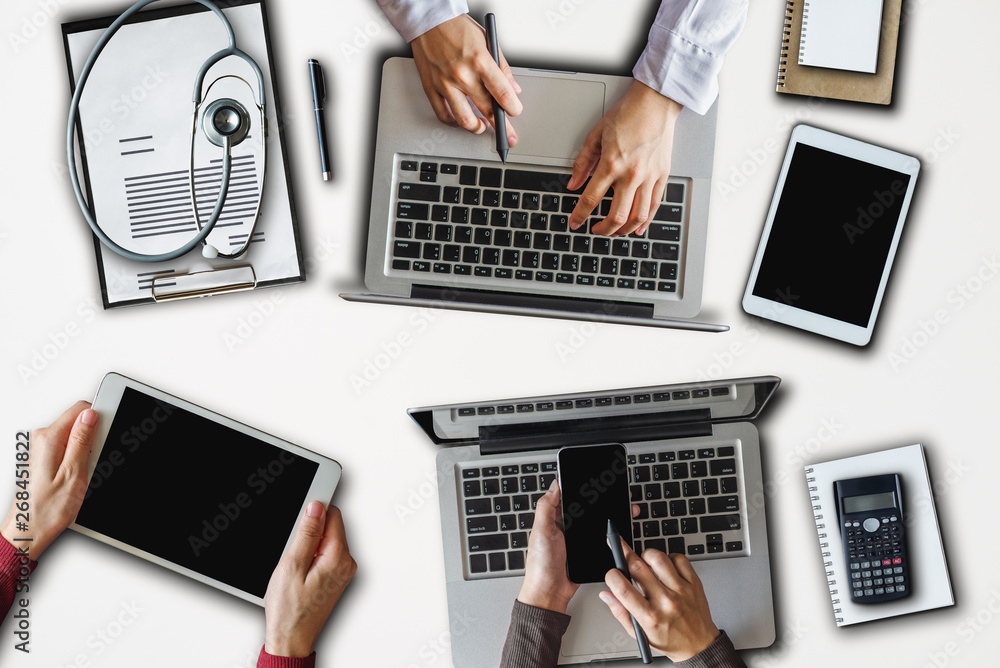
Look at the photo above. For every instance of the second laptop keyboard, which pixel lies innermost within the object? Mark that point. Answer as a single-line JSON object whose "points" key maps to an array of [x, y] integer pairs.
{"points": [[476, 222], [689, 503]]}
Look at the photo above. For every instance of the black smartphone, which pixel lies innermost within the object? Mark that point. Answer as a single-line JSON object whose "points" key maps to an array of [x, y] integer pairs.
{"points": [[593, 482], [870, 514]]}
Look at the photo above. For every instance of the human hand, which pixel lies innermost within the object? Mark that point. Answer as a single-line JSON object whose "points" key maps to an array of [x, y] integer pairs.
{"points": [[629, 151], [546, 584], [307, 583], [455, 66], [58, 479], [671, 607]]}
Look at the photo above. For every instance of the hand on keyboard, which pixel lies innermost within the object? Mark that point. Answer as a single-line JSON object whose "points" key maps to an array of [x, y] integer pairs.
{"points": [[454, 62], [545, 582], [671, 608], [627, 151]]}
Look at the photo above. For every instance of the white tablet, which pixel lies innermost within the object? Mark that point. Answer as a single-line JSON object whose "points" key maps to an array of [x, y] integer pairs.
{"points": [[831, 234], [195, 491]]}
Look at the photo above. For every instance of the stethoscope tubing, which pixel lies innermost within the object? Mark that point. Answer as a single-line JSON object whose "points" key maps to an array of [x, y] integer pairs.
{"points": [[74, 112]]}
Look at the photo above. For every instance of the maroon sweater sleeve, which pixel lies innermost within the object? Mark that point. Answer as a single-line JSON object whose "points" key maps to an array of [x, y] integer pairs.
{"points": [[10, 566], [266, 660]]}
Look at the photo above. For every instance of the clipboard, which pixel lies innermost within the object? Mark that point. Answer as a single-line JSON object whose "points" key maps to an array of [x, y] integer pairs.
{"points": [[133, 161]]}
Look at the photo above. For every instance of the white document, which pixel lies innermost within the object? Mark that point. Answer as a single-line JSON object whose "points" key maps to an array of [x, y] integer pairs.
{"points": [[841, 34], [930, 585], [136, 115]]}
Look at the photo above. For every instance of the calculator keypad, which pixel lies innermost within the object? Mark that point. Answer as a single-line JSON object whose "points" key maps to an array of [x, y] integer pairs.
{"points": [[877, 562]]}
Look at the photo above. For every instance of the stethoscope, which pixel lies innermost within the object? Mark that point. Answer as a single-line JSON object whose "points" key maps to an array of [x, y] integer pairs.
{"points": [[225, 122]]}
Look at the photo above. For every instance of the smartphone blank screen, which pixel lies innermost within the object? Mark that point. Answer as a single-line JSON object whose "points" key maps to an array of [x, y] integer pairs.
{"points": [[594, 483], [195, 492]]}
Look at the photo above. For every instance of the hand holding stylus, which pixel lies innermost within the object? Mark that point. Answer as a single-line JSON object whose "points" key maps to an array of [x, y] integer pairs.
{"points": [[671, 606], [455, 66]]}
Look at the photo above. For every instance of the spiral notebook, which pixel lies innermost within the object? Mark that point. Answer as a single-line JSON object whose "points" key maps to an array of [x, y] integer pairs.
{"points": [[840, 34], [930, 585], [797, 79]]}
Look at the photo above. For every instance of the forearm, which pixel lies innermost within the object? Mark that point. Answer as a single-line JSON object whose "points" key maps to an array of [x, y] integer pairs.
{"points": [[720, 654], [686, 46], [14, 569], [412, 18], [533, 638]]}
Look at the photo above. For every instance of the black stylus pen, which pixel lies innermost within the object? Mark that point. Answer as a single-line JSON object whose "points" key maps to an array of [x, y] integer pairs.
{"points": [[616, 549], [499, 118], [318, 82]]}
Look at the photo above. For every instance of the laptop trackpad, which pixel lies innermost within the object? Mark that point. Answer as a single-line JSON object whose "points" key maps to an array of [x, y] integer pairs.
{"points": [[594, 632], [558, 114]]}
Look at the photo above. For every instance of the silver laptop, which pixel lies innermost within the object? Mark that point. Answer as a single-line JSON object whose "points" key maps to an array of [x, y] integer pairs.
{"points": [[453, 227], [694, 459]]}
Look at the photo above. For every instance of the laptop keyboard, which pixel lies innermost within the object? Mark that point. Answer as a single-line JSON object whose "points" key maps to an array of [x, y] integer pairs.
{"points": [[478, 223], [690, 502]]}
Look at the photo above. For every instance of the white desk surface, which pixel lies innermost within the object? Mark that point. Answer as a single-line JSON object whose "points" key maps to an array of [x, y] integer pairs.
{"points": [[292, 375]]}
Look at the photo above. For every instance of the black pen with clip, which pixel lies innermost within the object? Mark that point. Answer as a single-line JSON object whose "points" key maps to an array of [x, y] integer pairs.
{"points": [[318, 82]]}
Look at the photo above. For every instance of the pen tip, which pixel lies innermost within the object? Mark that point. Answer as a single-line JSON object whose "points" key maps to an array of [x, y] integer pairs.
{"points": [[503, 157]]}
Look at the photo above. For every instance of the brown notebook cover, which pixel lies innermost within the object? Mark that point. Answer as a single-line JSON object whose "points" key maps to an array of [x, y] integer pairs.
{"points": [[838, 84]]}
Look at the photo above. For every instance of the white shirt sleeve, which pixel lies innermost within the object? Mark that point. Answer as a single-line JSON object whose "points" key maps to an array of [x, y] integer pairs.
{"points": [[686, 46], [412, 18]]}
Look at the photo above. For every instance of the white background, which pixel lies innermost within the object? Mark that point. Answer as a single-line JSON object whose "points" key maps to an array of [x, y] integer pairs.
{"points": [[292, 375]]}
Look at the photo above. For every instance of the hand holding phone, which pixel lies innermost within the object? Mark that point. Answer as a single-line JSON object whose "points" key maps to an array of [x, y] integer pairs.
{"points": [[545, 583]]}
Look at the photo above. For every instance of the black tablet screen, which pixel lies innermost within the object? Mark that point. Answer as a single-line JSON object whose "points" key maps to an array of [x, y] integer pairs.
{"points": [[831, 235], [195, 492]]}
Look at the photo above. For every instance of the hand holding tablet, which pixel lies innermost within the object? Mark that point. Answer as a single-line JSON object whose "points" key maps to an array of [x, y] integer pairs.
{"points": [[831, 235], [194, 491], [49, 492]]}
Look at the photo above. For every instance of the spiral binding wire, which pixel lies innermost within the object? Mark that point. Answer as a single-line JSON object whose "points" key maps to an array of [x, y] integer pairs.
{"points": [[805, 25], [824, 545], [785, 42]]}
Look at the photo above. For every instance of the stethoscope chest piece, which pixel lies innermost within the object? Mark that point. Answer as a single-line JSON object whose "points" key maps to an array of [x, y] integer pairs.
{"points": [[225, 119]]}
